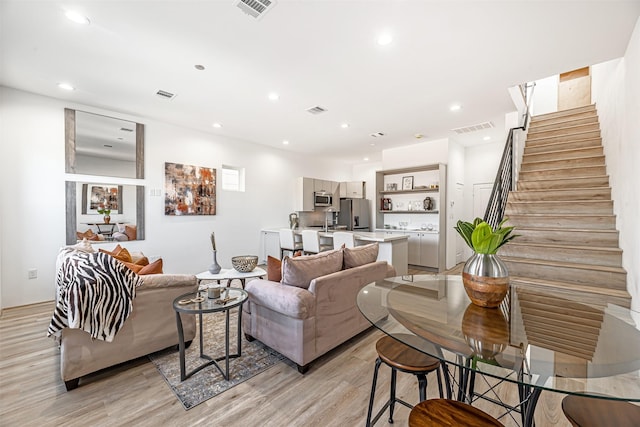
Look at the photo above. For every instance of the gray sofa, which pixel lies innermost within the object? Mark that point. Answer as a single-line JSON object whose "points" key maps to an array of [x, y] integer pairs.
{"points": [[313, 309]]}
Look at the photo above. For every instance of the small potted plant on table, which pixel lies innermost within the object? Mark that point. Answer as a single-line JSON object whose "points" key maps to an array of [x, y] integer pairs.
{"points": [[485, 275], [105, 211]]}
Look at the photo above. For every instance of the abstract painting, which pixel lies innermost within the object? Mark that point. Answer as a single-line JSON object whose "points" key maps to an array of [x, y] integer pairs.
{"points": [[98, 196], [189, 190]]}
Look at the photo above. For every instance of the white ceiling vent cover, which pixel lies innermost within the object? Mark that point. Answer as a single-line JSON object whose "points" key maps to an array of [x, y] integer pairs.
{"points": [[473, 128], [164, 94], [316, 110], [255, 8]]}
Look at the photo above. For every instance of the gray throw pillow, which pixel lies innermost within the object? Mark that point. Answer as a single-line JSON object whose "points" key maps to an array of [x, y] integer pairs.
{"points": [[360, 255], [300, 271]]}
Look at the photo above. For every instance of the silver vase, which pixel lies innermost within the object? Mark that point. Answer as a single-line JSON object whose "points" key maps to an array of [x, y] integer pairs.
{"points": [[214, 268], [486, 279]]}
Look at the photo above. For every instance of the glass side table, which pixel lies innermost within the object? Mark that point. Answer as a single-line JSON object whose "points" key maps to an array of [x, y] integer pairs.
{"points": [[198, 303]]}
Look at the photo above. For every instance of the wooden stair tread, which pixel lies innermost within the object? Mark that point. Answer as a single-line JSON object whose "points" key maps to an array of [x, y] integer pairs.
{"points": [[567, 215], [563, 246], [559, 201], [534, 162], [592, 267], [573, 230], [563, 286], [567, 168], [543, 138], [540, 124], [534, 130], [558, 146], [568, 189], [566, 179], [561, 151], [567, 112]]}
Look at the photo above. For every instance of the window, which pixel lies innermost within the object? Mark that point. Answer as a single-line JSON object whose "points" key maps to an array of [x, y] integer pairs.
{"points": [[232, 178]]}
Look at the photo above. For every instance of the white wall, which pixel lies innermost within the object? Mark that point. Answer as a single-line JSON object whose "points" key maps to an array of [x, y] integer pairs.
{"points": [[423, 153], [616, 92], [33, 197], [455, 175], [545, 96]]}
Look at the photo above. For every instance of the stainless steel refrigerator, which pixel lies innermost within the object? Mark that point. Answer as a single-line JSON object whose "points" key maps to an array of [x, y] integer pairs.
{"points": [[354, 213]]}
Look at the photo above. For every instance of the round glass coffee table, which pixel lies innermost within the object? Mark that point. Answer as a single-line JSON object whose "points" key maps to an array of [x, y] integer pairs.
{"points": [[198, 303]]}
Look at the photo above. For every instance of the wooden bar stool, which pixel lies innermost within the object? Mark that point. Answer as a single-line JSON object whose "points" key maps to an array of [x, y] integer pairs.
{"points": [[446, 412], [401, 357], [584, 411]]}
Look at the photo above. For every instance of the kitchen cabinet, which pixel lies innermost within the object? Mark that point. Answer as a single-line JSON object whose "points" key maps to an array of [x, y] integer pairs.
{"points": [[303, 200], [353, 190], [305, 189], [423, 249]]}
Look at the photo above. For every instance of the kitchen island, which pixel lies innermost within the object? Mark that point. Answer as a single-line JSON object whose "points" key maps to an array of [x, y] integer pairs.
{"points": [[393, 248]]}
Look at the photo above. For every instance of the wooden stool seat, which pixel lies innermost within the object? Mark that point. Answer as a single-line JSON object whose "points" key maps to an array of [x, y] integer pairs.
{"points": [[404, 358], [401, 357], [446, 412], [584, 411]]}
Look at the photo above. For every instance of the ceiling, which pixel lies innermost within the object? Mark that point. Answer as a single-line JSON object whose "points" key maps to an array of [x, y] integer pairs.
{"points": [[312, 53]]}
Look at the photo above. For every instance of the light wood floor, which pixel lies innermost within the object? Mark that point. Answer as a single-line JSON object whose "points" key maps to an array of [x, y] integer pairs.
{"points": [[334, 392]]}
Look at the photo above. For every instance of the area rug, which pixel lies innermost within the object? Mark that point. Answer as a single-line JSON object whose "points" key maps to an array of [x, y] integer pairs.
{"points": [[208, 382]]}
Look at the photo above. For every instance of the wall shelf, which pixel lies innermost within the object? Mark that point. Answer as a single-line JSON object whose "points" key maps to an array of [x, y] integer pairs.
{"points": [[425, 249], [410, 212], [415, 190]]}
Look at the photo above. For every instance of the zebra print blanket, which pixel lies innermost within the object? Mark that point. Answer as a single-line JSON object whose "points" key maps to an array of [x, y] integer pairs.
{"points": [[94, 293]]}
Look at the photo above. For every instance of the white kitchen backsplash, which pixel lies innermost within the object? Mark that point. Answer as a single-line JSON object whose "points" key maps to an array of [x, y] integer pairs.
{"points": [[411, 221]]}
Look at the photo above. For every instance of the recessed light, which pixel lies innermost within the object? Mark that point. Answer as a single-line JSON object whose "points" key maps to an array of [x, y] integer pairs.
{"points": [[366, 159], [285, 142], [418, 136], [76, 17], [217, 125], [373, 144], [384, 39], [455, 107], [66, 86], [486, 138], [344, 125], [274, 96], [199, 67]]}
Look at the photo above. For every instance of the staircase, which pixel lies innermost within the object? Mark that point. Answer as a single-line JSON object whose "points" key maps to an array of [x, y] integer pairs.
{"points": [[563, 211]]}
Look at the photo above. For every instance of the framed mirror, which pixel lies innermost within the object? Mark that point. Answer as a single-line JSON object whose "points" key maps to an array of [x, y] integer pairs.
{"points": [[126, 205], [102, 145]]}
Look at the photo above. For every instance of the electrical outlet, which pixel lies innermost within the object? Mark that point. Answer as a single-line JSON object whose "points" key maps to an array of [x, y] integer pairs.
{"points": [[32, 273]]}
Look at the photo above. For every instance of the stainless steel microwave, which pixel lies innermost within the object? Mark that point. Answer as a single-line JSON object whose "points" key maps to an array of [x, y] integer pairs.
{"points": [[322, 199]]}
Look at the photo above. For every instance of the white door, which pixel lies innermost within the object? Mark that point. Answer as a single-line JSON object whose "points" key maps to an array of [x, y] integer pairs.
{"points": [[481, 195]]}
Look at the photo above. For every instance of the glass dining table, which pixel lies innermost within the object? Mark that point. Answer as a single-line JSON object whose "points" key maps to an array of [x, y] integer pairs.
{"points": [[539, 338]]}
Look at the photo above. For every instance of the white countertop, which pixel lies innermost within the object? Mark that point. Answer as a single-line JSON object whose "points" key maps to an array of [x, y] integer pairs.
{"points": [[365, 236], [408, 230]]}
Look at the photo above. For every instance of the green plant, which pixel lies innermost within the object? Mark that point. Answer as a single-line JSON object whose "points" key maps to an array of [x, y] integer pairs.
{"points": [[104, 211], [481, 238]]}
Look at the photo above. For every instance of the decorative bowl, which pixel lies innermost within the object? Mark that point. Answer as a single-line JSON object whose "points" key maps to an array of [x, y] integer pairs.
{"points": [[244, 263]]}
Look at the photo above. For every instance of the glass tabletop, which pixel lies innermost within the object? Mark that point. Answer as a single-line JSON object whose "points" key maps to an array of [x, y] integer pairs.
{"points": [[555, 340], [198, 302]]}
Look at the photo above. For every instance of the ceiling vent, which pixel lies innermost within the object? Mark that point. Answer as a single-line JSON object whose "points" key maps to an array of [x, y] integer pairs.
{"points": [[316, 110], [164, 94], [473, 128], [255, 8], [377, 134], [126, 130]]}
